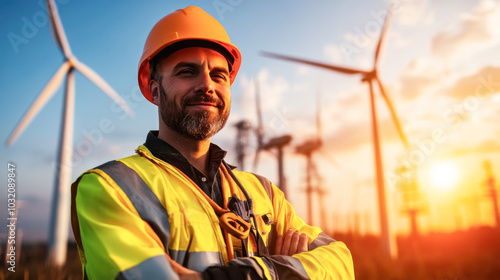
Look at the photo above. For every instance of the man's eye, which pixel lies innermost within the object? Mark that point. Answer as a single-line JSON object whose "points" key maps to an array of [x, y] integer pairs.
{"points": [[185, 72], [220, 76]]}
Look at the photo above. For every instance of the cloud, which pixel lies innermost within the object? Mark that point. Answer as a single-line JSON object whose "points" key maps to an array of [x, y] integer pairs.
{"points": [[347, 120], [349, 136], [333, 52], [274, 99], [302, 70], [471, 33], [481, 84], [352, 135], [398, 40], [271, 89], [489, 147], [412, 12], [419, 76]]}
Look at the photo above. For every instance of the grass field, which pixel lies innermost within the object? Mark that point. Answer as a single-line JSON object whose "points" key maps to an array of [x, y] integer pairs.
{"points": [[32, 265], [463, 255]]}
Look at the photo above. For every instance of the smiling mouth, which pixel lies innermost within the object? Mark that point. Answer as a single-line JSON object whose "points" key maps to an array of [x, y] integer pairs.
{"points": [[203, 106], [203, 103]]}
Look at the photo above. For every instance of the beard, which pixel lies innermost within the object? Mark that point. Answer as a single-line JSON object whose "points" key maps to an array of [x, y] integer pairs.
{"points": [[198, 125]]}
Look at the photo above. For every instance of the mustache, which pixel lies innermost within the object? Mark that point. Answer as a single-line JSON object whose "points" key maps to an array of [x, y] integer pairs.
{"points": [[202, 98]]}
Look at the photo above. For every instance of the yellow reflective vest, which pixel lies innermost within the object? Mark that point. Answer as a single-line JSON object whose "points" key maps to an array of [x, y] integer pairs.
{"points": [[129, 213]]}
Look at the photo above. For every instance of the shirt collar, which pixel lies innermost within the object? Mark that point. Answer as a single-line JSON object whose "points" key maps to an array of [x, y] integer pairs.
{"points": [[169, 154]]}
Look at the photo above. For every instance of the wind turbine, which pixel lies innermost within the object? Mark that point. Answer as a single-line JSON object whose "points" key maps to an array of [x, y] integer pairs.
{"points": [[277, 142], [414, 201], [369, 76], [59, 223], [490, 183], [307, 149]]}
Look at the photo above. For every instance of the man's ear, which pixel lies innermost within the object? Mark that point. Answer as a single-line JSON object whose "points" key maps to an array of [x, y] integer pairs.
{"points": [[154, 89]]}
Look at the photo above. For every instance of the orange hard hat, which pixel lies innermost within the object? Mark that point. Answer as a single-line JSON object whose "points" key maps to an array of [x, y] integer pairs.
{"points": [[191, 23]]}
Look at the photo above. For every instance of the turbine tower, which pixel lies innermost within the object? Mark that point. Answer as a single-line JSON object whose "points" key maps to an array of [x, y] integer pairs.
{"points": [[242, 128], [60, 210], [414, 201], [369, 76], [307, 149], [490, 183]]}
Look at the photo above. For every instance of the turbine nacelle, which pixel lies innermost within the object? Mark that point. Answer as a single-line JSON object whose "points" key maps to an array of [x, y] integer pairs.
{"points": [[309, 147], [369, 76], [277, 142]]}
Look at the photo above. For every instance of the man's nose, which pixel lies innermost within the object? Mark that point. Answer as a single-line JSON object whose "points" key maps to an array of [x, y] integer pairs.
{"points": [[205, 84]]}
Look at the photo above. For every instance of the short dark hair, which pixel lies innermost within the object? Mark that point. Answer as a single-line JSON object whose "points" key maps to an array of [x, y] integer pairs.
{"points": [[153, 62]]}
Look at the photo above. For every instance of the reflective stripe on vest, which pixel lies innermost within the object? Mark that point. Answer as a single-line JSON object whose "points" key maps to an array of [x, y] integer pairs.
{"points": [[153, 268], [142, 197], [321, 240]]}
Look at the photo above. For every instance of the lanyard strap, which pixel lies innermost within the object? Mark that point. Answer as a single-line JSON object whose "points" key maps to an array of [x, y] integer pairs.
{"points": [[249, 215], [231, 223]]}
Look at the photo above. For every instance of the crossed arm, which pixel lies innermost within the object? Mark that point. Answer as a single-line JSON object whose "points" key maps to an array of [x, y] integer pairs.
{"points": [[289, 244]]}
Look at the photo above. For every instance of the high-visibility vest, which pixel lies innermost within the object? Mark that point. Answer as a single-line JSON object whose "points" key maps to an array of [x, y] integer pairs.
{"points": [[128, 214]]}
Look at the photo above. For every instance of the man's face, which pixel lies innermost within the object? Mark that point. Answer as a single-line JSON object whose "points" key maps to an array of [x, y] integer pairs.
{"points": [[194, 92]]}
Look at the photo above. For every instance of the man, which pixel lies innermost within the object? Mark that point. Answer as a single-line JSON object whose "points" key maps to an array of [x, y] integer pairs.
{"points": [[176, 210]]}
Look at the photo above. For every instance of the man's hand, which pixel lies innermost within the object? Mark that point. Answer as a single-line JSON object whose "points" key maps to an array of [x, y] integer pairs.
{"points": [[185, 273], [192, 275], [291, 243]]}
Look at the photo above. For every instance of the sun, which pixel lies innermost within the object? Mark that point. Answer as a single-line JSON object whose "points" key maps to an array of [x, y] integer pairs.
{"points": [[443, 175]]}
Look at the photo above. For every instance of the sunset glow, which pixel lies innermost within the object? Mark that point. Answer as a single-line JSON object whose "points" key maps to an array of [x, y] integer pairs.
{"points": [[443, 175]]}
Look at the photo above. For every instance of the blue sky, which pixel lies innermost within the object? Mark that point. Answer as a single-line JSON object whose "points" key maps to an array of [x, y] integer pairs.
{"points": [[431, 47]]}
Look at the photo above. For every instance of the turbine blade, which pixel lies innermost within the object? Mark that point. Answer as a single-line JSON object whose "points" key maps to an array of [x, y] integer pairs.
{"points": [[319, 128], [57, 29], [328, 156], [48, 91], [98, 81], [256, 159], [260, 126], [394, 116], [259, 131], [340, 69], [383, 34]]}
